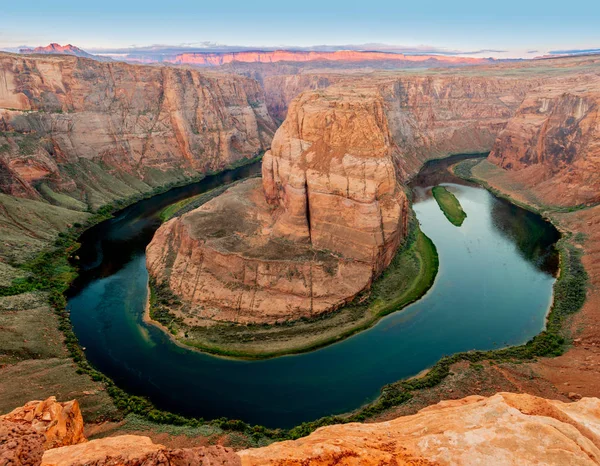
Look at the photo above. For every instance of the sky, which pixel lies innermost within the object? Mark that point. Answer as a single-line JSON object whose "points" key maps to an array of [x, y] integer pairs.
{"points": [[506, 28]]}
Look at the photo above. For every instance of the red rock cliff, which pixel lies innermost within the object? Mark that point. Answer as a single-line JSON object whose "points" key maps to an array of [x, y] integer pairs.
{"points": [[222, 58]]}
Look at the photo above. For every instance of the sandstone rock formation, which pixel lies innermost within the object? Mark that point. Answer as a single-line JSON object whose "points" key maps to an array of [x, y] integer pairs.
{"points": [[99, 131], [59, 423], [552, 144], [327, 218], [134, 450], [505, 429]]}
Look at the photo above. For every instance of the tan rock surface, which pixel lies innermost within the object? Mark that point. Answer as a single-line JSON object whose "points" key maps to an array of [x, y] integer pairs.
{"points": [[505, 429], [60, 423], [134, 450], [20, 444]]}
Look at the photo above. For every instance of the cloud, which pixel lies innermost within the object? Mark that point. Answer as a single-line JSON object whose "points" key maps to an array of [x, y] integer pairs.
{"points": [[208, 46], [574, 51]]}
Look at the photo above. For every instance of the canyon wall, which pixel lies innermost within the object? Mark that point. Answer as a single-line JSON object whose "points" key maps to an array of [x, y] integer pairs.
{"points": [[97, 130], [506, 428], [552, 144], [429, 115]]}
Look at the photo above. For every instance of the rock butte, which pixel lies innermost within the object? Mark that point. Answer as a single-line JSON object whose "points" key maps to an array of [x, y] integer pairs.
{"points": [[327, 217], [504, 429]]}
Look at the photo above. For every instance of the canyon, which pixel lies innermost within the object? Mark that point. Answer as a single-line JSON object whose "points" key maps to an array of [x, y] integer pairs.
{"points": [[65, 118], [552, 144], [333, 180], [325, 220]]}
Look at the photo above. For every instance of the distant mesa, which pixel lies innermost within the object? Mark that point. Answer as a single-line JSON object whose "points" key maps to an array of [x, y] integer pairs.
{"points": [[219, 58], [57, 49], [223, 58]]}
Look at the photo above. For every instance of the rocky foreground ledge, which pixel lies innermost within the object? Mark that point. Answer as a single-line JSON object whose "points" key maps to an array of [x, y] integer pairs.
{"points": [[504, 429]]}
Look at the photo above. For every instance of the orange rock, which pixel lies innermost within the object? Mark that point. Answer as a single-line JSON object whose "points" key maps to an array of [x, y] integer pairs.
{"points": [[60, 423], [505, 429], [134, 450]]}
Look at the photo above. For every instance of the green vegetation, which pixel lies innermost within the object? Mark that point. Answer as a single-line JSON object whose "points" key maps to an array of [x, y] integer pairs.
{"points": [[186, 205], [449, 205], [408, 277]]}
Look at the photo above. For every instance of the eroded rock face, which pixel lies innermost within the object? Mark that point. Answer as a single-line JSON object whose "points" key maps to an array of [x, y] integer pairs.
{"points": [[505, 429], [552, 144], [58, 114], [326, 219], [134, 450], [59, 423]]}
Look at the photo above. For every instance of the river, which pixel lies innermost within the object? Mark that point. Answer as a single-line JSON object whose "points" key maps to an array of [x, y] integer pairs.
{"points": [[493, 289]]}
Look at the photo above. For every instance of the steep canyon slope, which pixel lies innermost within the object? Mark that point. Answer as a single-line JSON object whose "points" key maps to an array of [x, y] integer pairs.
{"points": [[552, 144]]}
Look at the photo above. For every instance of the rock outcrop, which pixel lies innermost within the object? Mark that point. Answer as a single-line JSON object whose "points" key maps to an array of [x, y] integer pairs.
{"points": [[505, 429], [59, 423], [80, 126], [552, 144], [134, 450], [326, 219]]}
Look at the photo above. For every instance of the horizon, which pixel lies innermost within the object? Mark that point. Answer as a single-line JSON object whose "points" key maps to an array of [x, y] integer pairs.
{"points": [[510, 30]]}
